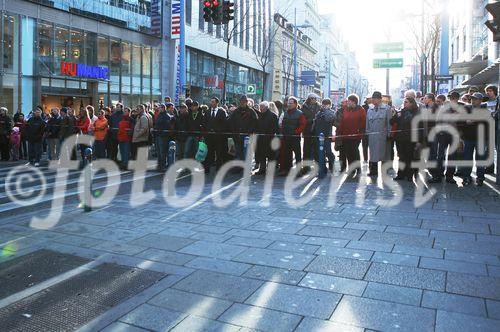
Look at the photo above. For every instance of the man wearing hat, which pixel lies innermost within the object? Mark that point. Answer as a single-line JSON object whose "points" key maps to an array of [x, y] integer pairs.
{"points": [[469, 135], [243, 122], [378, 129]]}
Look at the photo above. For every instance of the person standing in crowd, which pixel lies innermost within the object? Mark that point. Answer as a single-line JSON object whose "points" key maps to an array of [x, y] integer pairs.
{"points": [[182, 121], [351, 129], [243, 122], [92, 116], [472, 149], [267, 128], [310, 108], [114, 123], [338, 139], [446, 116], [164, 132], [15, 143], [493, 105], [323, 124], [35, 129], [141, 131], [378, 129], [430, 112], [216, 120], [440, 100], [16, 116], [83, 126], [364, 141], [100, 129], [195, 128], [20, 123], [52, 134], [293, 125], [67, 129], [124, 137], [5, 130], [407, 149]]}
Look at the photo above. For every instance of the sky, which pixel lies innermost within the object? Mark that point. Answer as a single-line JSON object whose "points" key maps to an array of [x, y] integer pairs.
{"points": [[365, 22]]}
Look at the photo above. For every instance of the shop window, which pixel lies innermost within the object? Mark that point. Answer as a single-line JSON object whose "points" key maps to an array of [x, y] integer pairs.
{"points": [[10, 43], [90, 45], [136, 69], [28, 49], [45, 36], [61, 49], [76, 47], [125, 62], [156, 74], [115, 60], [102, 51]]}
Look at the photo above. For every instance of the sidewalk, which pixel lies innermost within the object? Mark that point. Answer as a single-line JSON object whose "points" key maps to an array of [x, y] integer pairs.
{"points": [[357, 265]]}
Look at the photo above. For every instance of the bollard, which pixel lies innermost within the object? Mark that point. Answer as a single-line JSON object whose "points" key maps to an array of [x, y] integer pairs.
{"points": [[172, 150], [321, 156], [88, 181]]}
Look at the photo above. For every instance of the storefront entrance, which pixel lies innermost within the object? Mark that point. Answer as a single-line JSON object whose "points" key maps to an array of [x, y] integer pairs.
{"points": [[76, 103]]}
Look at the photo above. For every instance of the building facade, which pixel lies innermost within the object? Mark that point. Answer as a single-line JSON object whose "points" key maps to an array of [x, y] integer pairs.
{"points": [[206, 51], [471, 46], [77, 53], [283, 61]]}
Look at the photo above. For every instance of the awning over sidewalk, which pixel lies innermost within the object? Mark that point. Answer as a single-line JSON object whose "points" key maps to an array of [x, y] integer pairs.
{"points": [[468, 67], [489, 75]]}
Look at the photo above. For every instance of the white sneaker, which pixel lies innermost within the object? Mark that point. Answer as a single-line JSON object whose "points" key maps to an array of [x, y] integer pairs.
{"points": [[37, 164], [27, 164]]}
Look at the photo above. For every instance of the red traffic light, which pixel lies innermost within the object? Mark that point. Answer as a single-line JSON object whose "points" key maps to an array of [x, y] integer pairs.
{"points": [[208, 4]]}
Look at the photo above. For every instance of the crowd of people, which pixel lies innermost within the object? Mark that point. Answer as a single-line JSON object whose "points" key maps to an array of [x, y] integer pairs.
{"points": [[373, 130]]}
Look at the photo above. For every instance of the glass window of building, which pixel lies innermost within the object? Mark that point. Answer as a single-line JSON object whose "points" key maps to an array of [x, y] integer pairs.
{"points": [[146, 73], [115, 61], [45, 37], [10, 43], [90, 48], [126, 68], [136, 69], [61, 48]]}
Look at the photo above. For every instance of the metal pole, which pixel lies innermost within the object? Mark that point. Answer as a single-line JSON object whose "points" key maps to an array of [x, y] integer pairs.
{"points": [[347, 78], [329, 74], [182, 44], [295, 86], [422, 78]]}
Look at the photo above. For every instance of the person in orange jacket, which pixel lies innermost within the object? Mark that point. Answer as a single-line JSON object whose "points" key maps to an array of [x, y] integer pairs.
{"points": [[100, 129]]}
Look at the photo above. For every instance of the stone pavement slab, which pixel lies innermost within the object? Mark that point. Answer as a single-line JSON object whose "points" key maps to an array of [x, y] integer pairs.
{"points": [[451, 321], [453, 266], [341, 267], [391, 293], [213, 249], [452, 302], [260, 318], [193, 323], [337, 233], [122, 327], [407, 276], [275, 258], [381, 315], [472, 285], [164, 256], [316, 325], [334, 284], [218, 265], [359, 254], [194, 304], [283, 276], [295, 300], [164, 242], [218, 285], [398, 259], [153, 318]]}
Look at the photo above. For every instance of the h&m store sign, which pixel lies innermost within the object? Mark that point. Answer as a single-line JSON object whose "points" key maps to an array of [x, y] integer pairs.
{"points": [[84, 71]]}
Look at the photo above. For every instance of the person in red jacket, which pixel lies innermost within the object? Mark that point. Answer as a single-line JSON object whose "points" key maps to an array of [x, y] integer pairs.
{"points": [[125, 132], [83, 125], [351, 130]]}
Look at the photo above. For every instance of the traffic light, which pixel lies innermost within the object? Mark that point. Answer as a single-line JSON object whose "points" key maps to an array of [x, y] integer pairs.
{"points": [[216, 12], [207, 9], [227, 12]]}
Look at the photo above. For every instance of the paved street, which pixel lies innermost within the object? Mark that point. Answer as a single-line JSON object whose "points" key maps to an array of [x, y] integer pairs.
{"points": [[360, 265]]}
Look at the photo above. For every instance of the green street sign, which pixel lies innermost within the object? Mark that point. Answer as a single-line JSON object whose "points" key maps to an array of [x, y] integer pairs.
{"points": [[388, 63], [388, 48]]}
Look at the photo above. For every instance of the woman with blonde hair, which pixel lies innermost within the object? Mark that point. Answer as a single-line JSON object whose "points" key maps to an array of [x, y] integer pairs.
{"points": [[274, 109]]}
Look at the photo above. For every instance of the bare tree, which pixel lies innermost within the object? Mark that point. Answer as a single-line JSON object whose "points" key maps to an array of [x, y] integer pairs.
{"points": [[264, 56]]}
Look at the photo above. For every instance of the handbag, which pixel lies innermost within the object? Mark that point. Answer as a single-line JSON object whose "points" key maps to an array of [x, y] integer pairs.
{"points": [[202, 152]]}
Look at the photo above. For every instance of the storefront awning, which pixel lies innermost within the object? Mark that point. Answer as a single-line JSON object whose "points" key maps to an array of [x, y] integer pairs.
{"points": [[468, 67], [489, 75]]}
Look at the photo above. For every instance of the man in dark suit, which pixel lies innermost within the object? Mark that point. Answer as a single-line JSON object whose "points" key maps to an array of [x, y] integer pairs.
{"points": [[216, 139]]}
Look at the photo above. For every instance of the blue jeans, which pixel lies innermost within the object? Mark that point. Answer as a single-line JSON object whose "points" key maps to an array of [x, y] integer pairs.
{"points": [[124, 153], [100, 149], [162, 151], [469, 148], [35, 151], [190, 147], [444, 141]]}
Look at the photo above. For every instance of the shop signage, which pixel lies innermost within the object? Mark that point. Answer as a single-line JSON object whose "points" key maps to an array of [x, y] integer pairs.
{"points": [[388, 48], [175, 21], [84, 71]]}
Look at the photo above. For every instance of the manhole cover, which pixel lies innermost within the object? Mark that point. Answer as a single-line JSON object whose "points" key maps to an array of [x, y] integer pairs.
{"points": [[76, 301], [31, 269]]}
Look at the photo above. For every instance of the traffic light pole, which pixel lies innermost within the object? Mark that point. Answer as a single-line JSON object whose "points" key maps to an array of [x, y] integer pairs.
{"points": [[182, 46], [295, 76]]}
